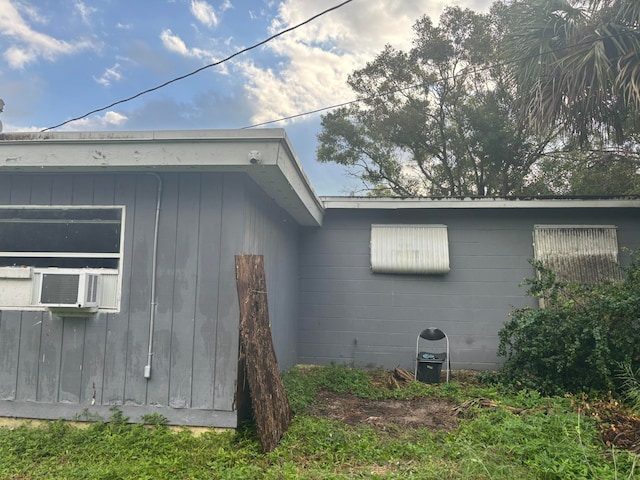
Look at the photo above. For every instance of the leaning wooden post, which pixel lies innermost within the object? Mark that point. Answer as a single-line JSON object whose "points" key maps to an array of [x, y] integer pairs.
{"points": [[271, 408]]}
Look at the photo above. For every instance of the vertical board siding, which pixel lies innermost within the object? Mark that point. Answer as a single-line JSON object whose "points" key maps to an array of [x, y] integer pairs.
{"points": [[115, 355], [159, 383], [73, 329], [184, 291], [350, 315], [140, 296], [228, 312], [100, 359], [30, 338], [9, 326], [206, 319], [269, 231], [72, 353], [51, 339]]}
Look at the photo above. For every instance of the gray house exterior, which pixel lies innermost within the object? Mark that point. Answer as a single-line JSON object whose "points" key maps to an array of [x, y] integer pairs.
{"points": [[213, 204], [155, 220], [348, 314]]}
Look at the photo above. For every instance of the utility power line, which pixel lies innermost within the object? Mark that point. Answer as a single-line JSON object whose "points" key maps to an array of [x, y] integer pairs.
{"points": [[463, 72], [182, 77]]}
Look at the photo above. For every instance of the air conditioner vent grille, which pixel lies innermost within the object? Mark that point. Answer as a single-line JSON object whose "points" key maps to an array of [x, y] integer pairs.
{"points": [[59, 289]]}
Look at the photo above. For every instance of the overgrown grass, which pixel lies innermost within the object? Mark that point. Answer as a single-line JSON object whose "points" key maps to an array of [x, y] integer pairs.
{"points": [[548, 441]]}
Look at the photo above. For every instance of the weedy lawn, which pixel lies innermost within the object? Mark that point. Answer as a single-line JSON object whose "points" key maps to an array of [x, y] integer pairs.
{"points": [[489, 434]]}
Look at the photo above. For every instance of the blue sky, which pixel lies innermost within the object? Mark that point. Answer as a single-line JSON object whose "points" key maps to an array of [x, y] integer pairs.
{"points": [[63, 58]]}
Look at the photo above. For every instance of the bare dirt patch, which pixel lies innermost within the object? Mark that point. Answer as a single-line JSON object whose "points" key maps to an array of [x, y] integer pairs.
{"points": [[432, 413]]}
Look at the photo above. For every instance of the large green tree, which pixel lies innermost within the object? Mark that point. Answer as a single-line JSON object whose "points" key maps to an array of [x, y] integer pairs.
{"points": [[439, 119], [587, 172], [577, 63]]}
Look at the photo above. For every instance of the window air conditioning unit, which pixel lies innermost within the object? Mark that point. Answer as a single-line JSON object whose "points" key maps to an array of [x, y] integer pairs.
{"points": [[67, 289]]}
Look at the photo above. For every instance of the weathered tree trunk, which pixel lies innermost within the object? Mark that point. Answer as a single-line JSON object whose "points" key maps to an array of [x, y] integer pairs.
{"points": [[257, 356]]}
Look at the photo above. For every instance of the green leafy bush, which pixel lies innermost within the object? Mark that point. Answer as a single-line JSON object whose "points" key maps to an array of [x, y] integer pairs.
{"points": [[578, 340]]}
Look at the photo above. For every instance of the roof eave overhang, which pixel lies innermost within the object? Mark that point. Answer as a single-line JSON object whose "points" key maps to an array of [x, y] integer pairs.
{"points": [[393, 203], [275, 168]]}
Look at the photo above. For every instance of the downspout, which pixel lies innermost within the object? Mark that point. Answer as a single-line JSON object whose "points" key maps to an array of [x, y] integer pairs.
{"points": [[154, 265]]}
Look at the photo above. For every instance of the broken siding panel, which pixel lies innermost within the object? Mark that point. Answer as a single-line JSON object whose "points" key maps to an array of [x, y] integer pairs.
{"points": [[412, 249], [582, 253]]}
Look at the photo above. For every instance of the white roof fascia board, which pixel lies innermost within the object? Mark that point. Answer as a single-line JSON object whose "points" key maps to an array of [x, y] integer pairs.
{"points": [[278, 172], [389, 203]]}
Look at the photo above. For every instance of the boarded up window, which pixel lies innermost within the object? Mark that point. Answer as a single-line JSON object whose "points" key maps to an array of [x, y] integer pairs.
{"points": [[409, 249], [581, 253]]}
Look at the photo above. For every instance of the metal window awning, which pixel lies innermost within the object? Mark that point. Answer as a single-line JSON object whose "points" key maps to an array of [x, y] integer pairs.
{"points": [[582, 253], [409, 249]]}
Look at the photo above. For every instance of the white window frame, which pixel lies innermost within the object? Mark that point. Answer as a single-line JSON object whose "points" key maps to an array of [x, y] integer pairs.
{"points": [[28, 276]]}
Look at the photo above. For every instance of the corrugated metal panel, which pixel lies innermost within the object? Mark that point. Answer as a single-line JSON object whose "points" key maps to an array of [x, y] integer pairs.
{"points": [[413, 249], [583, 253]]}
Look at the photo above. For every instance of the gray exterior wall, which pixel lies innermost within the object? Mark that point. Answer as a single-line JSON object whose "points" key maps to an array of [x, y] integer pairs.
{"points": [[52, 367], [350, 315], [271, 232]]}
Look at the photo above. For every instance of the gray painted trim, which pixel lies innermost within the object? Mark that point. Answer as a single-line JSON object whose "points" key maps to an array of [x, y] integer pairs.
{"points": [[278, 172], [388, 203], [143, 135], [175, 416]]}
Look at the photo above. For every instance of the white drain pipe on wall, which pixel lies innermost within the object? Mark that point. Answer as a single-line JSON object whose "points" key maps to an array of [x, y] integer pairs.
{"points": [[152, 315]]}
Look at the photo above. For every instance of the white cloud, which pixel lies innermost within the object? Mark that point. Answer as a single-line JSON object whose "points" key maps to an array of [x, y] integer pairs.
{"points": [[110, 119], [317, 57], [114, 118], [124, 26], [30, 45], [85, 11], [7, 127], [175, 44], [204, 13], [32, 13], [17, 57], [109, 76]]}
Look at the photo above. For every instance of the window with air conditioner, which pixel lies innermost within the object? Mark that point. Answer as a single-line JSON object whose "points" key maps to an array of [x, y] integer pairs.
{"points": [[61, 257]]}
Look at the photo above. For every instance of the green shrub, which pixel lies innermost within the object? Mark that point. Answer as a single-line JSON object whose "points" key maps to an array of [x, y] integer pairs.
{"points": [[578, 340], [630, 379]]}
